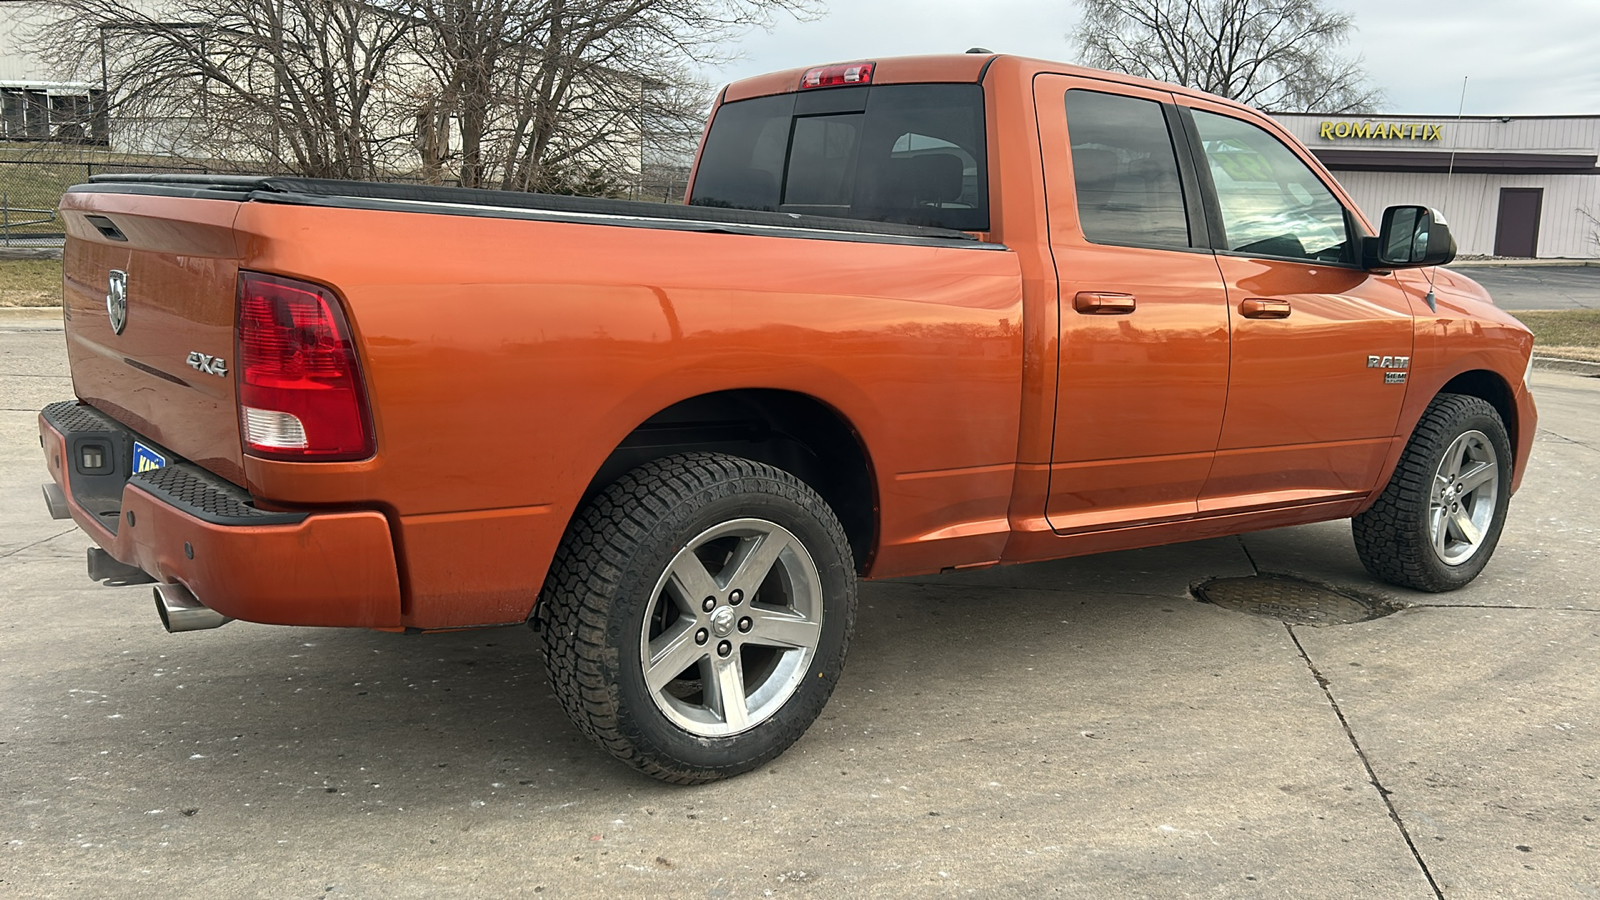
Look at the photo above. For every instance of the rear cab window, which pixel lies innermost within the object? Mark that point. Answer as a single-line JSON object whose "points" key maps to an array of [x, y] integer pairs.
{"points": [[906, 153]]}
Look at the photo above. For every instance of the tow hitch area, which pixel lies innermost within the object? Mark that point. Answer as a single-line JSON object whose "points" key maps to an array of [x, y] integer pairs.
{"points": [[105, 567]]}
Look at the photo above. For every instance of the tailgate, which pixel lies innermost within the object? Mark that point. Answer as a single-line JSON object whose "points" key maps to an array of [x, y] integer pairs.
{"points": [[149, 291]]}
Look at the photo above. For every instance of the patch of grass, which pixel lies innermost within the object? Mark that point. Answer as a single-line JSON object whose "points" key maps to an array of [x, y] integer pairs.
{"points": [[30, 282], [1571, 333]]}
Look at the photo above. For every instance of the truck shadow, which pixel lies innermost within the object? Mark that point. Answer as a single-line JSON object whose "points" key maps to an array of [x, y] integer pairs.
{"points": [[323, 721]]}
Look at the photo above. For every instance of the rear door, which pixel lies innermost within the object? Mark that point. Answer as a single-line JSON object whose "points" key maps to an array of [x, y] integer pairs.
{"points": [[1321, 347], [1143, 372]]}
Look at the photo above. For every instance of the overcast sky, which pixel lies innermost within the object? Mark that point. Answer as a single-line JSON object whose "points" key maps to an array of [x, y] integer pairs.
{"points": [[1521, 57]]}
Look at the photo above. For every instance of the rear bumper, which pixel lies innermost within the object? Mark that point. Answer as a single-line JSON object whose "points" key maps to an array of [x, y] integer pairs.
{"points": [[183, 525]]}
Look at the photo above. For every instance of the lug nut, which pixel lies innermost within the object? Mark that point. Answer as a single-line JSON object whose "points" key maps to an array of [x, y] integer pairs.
{"points": [[736, 598], [709, 604], [701, 636], [745, 624], [724, 648]]}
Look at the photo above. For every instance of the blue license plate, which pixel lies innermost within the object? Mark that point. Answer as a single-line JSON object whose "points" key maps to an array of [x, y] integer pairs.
{"points": [[145, 459]]}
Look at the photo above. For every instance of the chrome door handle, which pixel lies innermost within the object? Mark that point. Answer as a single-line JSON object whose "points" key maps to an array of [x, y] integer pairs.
{"points": [[1103, 303], [1262, 308]]}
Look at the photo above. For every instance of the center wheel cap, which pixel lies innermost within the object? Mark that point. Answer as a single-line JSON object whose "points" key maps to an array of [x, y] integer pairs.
{"points": [[722, 621]]}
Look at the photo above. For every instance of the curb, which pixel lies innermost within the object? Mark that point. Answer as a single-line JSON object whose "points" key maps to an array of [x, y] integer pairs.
{"points": [[1570, 366], [1519, 263], [30, 253], [31, 318]]}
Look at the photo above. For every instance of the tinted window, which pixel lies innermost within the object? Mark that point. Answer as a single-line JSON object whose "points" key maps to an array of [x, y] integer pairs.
{"points": [[894, 153], [1125, 171], [1272, 203]]}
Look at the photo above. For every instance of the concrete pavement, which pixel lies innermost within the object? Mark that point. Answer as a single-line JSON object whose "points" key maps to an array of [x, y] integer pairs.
{"points": [[1517, 287], [1074, 728]]}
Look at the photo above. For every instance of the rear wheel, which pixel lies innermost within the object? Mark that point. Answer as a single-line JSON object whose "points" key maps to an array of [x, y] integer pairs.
{"points": [[1438, 520], [697, 615]]}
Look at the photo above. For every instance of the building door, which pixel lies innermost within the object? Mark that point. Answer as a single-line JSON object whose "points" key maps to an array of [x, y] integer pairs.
{"points": [[1516, 233]]}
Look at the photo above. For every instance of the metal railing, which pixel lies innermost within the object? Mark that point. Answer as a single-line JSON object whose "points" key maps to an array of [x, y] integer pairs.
{"points": [[31, 189]]}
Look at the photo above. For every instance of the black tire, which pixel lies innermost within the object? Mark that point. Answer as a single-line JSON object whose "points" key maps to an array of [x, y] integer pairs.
{"points": [[1396, 537], [615, 569]]}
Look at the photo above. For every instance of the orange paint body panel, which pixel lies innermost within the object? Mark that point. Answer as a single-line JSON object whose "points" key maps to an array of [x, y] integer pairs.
{"points": [[506, 357]]}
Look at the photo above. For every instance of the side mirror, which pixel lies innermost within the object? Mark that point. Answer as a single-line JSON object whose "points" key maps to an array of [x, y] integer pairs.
{"points": [[1411, 237]]}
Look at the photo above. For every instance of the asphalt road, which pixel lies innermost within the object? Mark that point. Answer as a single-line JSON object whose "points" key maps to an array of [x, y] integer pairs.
{"points": [[1539, 287], [1079, 728]]}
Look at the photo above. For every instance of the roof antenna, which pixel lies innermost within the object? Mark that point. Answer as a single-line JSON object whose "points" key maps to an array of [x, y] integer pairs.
{"points": [[980, 50], [1450, 173]]}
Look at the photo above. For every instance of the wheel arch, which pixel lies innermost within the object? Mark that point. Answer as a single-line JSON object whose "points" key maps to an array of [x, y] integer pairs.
{"points": [[1490, 387], [789, 430]]}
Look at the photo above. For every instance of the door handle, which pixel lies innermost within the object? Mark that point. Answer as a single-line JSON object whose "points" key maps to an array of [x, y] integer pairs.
{"points": [[1261, 308], [1102, 303]]}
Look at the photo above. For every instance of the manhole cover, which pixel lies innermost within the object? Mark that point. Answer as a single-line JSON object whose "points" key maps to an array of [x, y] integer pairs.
{"points": [[1292, 600]]}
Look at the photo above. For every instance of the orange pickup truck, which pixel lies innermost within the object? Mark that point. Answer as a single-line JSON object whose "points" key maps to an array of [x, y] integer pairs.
{"points": [[916, 315]]}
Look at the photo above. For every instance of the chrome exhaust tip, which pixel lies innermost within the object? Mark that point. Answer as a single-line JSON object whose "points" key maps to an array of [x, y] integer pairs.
{"points": [[55, 499], [182, 611]]}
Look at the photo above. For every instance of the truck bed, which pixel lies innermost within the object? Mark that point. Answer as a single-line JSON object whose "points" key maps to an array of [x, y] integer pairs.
{"points": [[516, 205]]}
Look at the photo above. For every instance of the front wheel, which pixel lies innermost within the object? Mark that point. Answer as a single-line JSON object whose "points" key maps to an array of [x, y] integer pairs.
{"points": [[697, 615], [1438, 520]]}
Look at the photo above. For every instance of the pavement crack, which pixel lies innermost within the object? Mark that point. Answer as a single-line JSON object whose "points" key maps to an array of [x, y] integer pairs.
{"points": [[1372, 774], [10, 553], [1251, 559], [1549, 435]]}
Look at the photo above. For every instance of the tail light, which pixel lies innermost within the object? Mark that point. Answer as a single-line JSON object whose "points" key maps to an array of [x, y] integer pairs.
{"points": [[301, 396], [833, 76]]}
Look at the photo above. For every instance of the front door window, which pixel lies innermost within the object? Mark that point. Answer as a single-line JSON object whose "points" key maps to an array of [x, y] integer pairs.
{"points": [[1272, 204]]}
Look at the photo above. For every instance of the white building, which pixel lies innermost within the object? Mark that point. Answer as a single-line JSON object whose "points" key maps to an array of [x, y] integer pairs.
{"points": [[35, 105], [1514, 186]]}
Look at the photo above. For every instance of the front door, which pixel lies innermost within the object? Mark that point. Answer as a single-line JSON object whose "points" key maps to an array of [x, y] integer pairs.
{"points": [[1143, 355], [1321, 348], [1516, 230]]}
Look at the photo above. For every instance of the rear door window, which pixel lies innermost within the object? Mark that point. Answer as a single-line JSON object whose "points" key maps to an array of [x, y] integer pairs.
{"points": [[912, 154], [1125, 171]]}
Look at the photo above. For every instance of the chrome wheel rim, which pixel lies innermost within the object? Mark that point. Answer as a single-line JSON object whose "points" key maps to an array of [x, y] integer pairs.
{"points": [[1461, 507], [731, 627]]}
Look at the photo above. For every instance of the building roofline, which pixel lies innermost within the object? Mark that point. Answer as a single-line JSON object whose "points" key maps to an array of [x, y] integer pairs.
{"points": [[1444, 116]]}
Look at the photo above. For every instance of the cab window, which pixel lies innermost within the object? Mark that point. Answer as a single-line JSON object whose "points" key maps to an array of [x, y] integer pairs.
{"points": [[906, 153], [1272, 204], [1125, 171]]}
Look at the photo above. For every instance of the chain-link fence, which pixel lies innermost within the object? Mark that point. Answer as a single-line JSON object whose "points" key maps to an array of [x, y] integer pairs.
{"points": [[31, 189]]}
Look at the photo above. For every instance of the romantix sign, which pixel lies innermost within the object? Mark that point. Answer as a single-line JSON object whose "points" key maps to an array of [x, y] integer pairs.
{"points": [[1381, 130]]}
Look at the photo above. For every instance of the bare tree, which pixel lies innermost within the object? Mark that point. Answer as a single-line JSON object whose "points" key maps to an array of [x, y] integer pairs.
{"points": [[294, 84], [1278, 55], [561, 95], [539, 89]]}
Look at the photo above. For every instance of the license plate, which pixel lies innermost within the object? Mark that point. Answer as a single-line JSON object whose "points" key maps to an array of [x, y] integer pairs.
{"points": [[145, 459]]}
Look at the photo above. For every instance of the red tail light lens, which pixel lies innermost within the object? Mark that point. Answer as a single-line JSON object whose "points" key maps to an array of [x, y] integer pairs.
{"points": [[833, 76], [301, 396]]}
